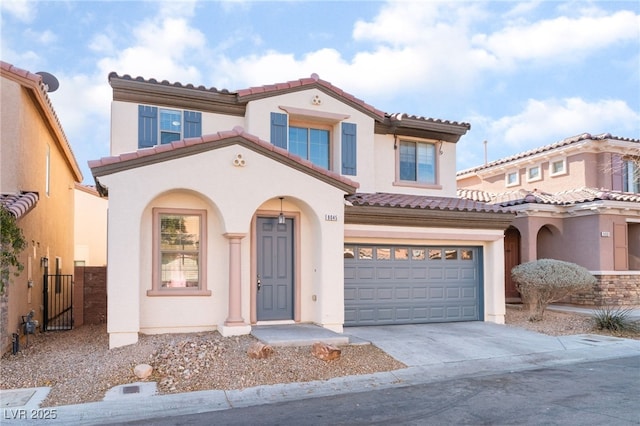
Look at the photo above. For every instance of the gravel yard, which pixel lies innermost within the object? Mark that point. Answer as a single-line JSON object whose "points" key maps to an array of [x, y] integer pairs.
{"points": [[80, 368]]}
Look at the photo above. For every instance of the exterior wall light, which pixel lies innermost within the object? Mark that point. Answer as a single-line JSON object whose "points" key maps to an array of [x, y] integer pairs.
{"points": [[281, 219]]}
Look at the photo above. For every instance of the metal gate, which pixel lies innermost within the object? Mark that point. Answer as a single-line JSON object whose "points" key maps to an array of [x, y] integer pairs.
{"points": [[58, 302]]}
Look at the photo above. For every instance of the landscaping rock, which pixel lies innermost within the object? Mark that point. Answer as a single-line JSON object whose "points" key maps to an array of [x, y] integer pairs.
{"points": [[259, 350], [143, 371], [325, 351]]}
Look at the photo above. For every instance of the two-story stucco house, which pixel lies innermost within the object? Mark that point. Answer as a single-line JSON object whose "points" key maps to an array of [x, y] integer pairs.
{"points": [[576, 200], [287, 203], [38, 172]]}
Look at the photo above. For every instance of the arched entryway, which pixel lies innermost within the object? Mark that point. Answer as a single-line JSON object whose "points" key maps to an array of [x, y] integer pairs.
{"points": [[511, 259]]}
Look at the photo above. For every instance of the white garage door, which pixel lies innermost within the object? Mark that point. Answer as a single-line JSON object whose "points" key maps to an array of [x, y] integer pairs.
{"points": [[411, 284]]}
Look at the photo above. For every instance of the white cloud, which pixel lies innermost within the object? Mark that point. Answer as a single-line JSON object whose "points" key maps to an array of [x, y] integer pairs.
{"points": [[46, 37], [23, 10], [545, 121], [560, 38]]}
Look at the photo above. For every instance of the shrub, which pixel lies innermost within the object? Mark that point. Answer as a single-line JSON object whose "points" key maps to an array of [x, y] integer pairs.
{"points": [[545, 281], [614, 318], [12, 243]]}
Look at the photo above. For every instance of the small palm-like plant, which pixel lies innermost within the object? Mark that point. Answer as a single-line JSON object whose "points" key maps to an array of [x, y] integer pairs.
{"points": [[614, 318]]}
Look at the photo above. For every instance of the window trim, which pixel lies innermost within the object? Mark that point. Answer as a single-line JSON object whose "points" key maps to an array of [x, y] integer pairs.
{"points": [[537, 178], [156, 288], [564, 167], [436, 165], [629, 177], [516, 182], [317, 125]]}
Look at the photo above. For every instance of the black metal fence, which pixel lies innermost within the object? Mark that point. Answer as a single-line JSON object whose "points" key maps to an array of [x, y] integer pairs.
{"points": [[58, 302]]}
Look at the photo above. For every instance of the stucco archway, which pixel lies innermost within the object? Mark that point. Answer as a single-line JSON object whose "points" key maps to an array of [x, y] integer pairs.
{"points": [[549, 243]]}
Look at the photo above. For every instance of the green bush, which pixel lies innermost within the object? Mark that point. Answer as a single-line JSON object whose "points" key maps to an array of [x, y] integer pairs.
{"points": [[614, 318], [545, 281], [12, 243]]}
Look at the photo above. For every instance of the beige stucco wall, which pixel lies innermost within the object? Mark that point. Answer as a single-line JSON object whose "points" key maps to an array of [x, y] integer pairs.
{"points": [[231, 195], [491, 242], [90, 228], [48, 228]]}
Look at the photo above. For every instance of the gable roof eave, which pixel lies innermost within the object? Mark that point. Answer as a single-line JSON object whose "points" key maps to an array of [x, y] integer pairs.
{"points": [[193, 146], [38, 93], [577, 143], [424, 211]]}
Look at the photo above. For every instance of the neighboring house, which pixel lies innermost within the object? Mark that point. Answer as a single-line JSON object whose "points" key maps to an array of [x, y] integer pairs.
{"points": [[38, 172], [288, 203], [576, 200], [90, 227]]}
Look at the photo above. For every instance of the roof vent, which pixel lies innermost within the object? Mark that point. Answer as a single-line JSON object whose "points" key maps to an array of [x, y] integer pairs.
{"points": [[51, 83]]}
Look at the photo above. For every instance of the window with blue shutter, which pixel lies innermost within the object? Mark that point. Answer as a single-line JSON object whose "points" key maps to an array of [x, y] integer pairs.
{"points": [[166, 124], [349, 158], [192, 124], [279, 130], [147, 126]]}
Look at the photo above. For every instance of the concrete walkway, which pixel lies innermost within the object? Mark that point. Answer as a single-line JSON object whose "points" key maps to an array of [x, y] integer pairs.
{"points": [[432, 353]]}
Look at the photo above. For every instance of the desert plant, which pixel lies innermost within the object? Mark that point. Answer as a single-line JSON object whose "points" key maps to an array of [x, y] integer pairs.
{"points": [[545, 281], [12, 243], [614, 318]]}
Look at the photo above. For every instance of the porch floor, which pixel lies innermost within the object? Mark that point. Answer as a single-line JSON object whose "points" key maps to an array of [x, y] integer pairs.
{"points": [[297, 335]]}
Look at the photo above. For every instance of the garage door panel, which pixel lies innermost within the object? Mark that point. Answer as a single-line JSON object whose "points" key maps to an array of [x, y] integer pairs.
{"points": [[385, 293], [403, 293], [365, 272], [403, 273], [436, 292], [384, 273], [419, 273], [402, 285]]}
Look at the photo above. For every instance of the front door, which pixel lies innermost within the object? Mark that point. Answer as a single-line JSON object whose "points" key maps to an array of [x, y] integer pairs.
{"points": [[275, 269]]}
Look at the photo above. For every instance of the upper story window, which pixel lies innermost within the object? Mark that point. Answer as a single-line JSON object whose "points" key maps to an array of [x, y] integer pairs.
{"points": [[315, 141], [179, 245], [534, 173], [512, 178], [631, 175], [162, 125], [558, 167], [310, 144], [417, 162]]}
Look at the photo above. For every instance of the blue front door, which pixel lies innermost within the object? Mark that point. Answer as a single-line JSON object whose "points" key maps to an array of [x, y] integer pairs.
{"points": [[275, 269]]}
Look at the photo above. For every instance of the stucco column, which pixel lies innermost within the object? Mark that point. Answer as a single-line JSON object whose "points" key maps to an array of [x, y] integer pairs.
{"points": [[234, 317]]}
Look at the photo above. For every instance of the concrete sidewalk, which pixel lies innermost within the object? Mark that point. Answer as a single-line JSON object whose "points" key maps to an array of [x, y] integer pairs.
{"points": [[432, 353]]}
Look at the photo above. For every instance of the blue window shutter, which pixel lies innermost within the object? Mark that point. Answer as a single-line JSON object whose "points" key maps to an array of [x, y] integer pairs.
{"points": [[192, 124], [349, 158], [279, 130], [147, 126]]}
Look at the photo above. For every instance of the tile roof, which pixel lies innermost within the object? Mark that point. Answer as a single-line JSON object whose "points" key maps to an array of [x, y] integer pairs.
{"points": [[141, 157], [381, 199], [34, 81], [562, 198], [247, 94], [19, 204], [565, 142]]}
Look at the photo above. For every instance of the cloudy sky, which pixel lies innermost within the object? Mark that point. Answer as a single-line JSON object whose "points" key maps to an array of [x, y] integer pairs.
{"points": [[523, 74]]}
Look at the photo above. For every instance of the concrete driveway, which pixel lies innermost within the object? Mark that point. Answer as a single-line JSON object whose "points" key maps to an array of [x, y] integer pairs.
{"points": [[433, 344]]}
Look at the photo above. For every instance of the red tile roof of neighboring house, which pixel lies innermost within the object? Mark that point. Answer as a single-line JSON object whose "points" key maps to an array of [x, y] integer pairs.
{"points": [[34, 81], [19, 204], [245, 95], [562, 198], [381, 199], [565, 142], [141, 157]]}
